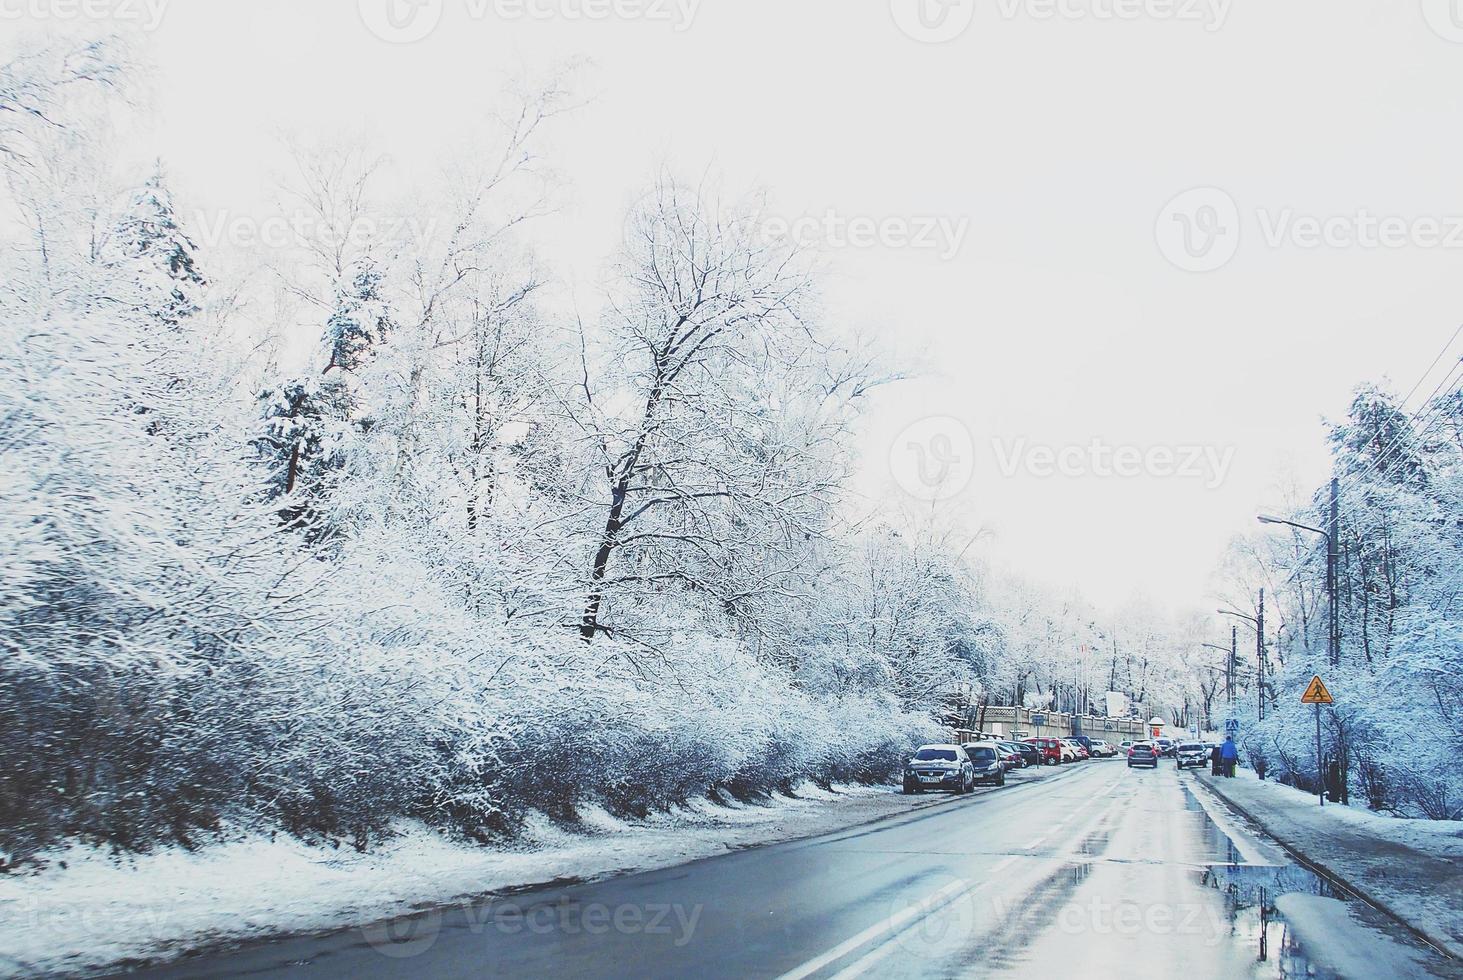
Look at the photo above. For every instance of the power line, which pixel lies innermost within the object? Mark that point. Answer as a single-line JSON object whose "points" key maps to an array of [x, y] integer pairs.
{"points": [[1430, 405], [1419, 429], [1436, 361], [1423, 420]]}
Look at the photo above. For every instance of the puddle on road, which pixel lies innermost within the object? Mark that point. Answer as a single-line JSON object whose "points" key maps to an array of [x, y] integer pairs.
{"points": [[1186, 903], [1250, 894]]}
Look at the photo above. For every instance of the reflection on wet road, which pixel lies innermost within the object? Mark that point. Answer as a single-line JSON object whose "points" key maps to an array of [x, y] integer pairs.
{"points": [[1096, 870]]}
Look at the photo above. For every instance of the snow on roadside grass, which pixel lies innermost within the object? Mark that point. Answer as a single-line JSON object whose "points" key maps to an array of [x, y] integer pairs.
{"points": [[1435, 836], [86, 909]]}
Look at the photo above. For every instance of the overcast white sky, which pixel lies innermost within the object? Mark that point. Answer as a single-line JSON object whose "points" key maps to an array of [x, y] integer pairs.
{"points": [[1056, 141]]}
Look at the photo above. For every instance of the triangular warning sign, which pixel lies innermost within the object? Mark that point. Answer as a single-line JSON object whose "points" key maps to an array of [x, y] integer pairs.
{"points": [[1316, 693]]}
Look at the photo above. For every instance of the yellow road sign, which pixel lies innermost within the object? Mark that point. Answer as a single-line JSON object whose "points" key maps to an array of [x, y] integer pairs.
{"points": [[1316, 693]]}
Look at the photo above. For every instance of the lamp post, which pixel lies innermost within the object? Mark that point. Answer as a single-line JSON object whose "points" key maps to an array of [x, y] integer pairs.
{"points": [[1333, 640]]}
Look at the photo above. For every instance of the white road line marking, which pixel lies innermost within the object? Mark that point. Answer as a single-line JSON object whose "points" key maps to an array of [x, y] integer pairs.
{"points": [[930, 905], [861, 966], [927, 906], [876, 955], [879, 953]]}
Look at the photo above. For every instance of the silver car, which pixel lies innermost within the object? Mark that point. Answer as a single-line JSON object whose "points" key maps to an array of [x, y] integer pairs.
{"points": [[1191, 754]]}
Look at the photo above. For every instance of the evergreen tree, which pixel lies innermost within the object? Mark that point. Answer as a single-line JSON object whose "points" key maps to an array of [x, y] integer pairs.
{"points": [[310, 421], [153, 247]]}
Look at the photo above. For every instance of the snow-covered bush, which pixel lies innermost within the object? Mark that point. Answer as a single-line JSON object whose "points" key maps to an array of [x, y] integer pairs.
{"points": [[328, 599]]}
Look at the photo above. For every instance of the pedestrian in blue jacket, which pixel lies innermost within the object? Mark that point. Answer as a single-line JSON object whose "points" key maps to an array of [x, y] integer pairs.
{"points": [[1229, 754]]}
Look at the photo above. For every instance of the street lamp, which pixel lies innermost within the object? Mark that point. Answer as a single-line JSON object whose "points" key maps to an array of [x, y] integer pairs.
{"points": [[1333, 641]]}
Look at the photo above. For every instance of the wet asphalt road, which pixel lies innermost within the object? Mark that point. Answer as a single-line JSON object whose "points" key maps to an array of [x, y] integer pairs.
{"points": [[1095, 870]]}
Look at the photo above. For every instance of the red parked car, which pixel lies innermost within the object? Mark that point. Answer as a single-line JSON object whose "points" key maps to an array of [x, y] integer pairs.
{"points": [[1050, 748]]}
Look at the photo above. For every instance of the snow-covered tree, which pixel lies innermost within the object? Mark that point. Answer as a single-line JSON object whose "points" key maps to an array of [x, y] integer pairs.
{"points": [[713, 468], [156, 257]]}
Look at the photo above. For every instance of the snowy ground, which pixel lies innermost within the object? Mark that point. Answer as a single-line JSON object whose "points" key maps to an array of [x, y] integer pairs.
{"points": [[1409, 867], [86, 910]]}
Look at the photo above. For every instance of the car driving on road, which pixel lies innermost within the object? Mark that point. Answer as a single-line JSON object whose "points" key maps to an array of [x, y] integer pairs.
{"points": [[1165, 746], [1143, 754], [1191, 754], [944, 767], [986, 763]]}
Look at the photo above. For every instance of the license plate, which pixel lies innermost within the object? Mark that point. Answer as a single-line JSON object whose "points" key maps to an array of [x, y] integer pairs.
{"points": [[930, 779]]}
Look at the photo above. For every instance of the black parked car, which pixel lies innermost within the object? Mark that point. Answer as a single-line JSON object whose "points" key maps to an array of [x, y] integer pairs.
{"points": [[987, 763], [1030, 754], [944, 767]]}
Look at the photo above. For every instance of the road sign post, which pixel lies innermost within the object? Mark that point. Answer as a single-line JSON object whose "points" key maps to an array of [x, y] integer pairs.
{"points": [[1317, 695]]}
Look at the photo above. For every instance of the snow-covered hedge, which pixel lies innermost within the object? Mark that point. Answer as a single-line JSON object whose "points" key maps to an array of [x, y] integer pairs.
{"points": [[1383, 735], [176, 662]]}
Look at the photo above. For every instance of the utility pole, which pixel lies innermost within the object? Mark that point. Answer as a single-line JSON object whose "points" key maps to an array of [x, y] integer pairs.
{"points": [[1334, 641], [1333, 601], [1260, 652], [1229, 667]]}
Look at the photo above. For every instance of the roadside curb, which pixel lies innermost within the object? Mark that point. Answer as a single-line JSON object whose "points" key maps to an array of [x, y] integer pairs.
{"points": [[1444, 945]]}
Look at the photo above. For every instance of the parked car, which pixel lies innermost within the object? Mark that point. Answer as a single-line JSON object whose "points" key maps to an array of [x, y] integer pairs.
{"points": [[1010, 758], [986, 763], [1050, 749], [1022, 753], [1125, 745], [1085, 742], [946, 767], [1079, 751], [1030, 754], [1143, 754], [1165, 746], [1103, 749], [1192, 754]]}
